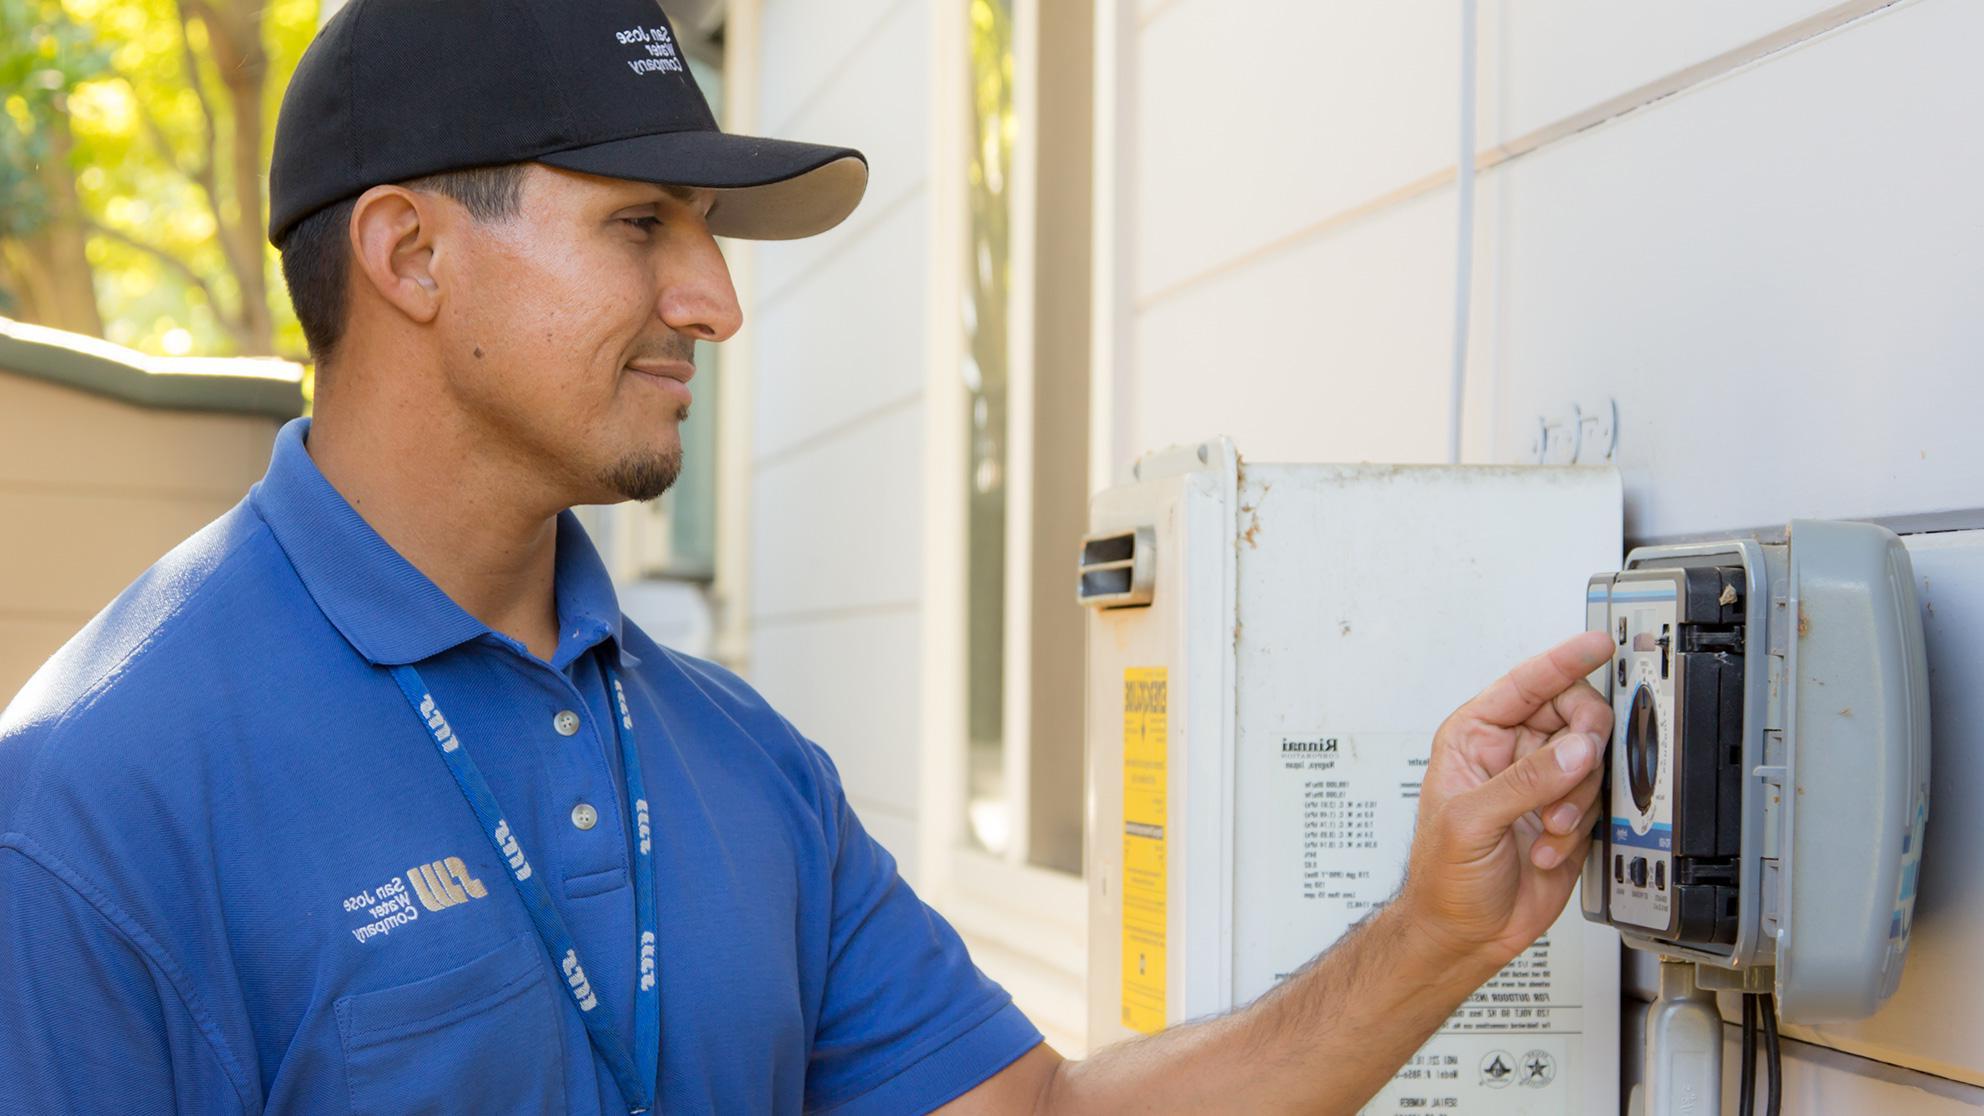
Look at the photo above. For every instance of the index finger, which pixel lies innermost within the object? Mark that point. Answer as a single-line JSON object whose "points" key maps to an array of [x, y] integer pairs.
{"points": [[1536, 682]]}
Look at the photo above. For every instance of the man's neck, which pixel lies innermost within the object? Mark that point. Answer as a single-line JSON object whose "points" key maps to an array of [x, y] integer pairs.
{"points": [[437, 497]]}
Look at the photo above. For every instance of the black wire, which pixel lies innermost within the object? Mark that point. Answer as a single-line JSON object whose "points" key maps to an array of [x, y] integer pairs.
{"points": [[1772, 1063], [1746, 1093]]}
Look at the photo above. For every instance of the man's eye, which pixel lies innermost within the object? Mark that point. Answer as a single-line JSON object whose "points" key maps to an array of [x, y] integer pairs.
{"points": [[645, 224]]}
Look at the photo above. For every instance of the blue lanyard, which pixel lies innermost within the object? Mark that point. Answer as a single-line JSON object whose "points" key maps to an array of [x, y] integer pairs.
{"points": [[635, 1075]]}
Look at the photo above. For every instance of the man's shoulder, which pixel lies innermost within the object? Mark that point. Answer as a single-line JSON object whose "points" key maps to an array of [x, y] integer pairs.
{"points": [[131, 677], [723, 686], [737, 703]]}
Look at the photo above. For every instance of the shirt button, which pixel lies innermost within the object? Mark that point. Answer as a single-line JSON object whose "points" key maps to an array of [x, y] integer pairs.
{"points": [[584, 816], [566, 722]]}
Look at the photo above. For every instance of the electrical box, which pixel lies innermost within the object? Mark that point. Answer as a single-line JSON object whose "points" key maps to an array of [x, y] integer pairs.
{"points": [[1769, 779], [1270, 650]]}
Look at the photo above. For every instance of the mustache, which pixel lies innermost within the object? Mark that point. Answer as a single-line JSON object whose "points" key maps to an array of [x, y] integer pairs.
{"points": [[672, 347]]}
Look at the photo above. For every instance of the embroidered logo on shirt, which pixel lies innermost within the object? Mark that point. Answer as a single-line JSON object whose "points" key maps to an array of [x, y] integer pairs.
{"points": [[444, 883], [438, 885]]}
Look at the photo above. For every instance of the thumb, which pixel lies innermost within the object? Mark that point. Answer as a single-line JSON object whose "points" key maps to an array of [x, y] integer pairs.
{"points": [[1538, 779]]}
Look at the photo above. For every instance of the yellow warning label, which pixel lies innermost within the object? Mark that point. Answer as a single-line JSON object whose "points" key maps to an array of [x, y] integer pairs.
{"points": [[1145, 729]]}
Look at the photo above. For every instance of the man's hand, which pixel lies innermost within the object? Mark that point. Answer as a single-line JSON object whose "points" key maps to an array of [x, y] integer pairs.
{"points": [[1506, 807]]}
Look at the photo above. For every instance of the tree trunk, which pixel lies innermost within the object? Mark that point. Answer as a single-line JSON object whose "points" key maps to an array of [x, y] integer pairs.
{"points": [[234, 32], [50, 273]]}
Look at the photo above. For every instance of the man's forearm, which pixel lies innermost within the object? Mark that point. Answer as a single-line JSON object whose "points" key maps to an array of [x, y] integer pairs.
{"points": [[1325, 1040]]}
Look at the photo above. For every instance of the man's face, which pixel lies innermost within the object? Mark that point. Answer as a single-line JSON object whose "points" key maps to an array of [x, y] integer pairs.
{"points": [[569, 329]]}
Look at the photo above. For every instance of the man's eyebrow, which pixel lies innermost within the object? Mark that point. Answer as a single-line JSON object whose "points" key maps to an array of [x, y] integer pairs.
{"points": [[683, 194]]}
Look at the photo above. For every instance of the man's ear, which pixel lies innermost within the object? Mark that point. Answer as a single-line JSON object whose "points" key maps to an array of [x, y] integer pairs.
{"points": [[392, 238]]}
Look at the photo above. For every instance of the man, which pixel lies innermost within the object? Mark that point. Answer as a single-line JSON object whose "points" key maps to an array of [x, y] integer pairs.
{"points": [[366, 798]]}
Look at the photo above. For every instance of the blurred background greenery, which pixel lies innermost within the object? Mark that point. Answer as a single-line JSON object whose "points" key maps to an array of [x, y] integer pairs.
{"points": [[134, 147]]}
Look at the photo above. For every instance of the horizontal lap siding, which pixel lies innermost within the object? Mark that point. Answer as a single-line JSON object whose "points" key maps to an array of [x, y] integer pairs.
{"points": [[1774, 271], [838, 367]]}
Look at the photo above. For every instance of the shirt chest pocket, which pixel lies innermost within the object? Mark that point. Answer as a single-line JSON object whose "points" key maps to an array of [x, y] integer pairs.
{"points": [[482, 1037]]}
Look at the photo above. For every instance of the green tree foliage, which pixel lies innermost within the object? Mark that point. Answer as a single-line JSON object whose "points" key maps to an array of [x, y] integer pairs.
{"points": [[44, 56], [145, 126]]}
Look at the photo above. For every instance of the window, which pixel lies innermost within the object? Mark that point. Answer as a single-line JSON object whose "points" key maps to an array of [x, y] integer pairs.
{"points": [[987, 375], [1024, 330]]}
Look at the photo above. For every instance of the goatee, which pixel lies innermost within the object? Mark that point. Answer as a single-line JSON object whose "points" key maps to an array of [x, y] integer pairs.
{"points": [[645, 476]]}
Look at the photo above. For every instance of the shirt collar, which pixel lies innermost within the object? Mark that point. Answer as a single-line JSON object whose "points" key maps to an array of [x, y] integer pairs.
{"points": [[388, 610]]}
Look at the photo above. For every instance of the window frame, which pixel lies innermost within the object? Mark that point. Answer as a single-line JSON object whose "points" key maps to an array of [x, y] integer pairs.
{"points": [[1026, 925]]}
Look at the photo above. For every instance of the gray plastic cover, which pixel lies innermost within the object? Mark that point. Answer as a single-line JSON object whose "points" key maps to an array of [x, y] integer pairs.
{"points": [[1857, 767]]}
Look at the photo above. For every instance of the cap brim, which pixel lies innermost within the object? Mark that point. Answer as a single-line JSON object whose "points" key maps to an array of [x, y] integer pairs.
{"points": [[768, 189]]}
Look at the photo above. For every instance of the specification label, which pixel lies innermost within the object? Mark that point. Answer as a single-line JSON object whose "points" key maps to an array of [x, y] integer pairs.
{"points": [[1346, 806]]}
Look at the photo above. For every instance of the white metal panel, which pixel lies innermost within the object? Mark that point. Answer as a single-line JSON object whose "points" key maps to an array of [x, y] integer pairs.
{"points": [[1368, 600], [1373, 601], [1254, 119], [1558, 57], [837, 525], [830, 351], [1185, 630], [1775, 275], [850, 682], [1338, 348], [878, 102]]}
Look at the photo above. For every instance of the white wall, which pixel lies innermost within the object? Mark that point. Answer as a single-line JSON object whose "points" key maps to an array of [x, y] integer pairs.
{"points": [[1794, 242], [837, 328], [1754, 227], [854, 580]]}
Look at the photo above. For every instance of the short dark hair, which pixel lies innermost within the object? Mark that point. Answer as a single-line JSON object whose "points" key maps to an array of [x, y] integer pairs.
{"points": [[316, 258]]}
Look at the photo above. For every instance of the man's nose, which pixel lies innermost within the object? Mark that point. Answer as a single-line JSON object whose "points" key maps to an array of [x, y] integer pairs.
{"points": [[697, 298]]}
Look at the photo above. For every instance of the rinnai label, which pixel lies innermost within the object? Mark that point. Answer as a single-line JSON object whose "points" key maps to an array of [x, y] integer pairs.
{"points": [[1349, 802], [1146, 728]]}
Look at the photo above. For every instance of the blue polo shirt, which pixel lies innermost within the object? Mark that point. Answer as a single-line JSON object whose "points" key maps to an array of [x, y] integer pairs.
{"points": [[222, 827]]}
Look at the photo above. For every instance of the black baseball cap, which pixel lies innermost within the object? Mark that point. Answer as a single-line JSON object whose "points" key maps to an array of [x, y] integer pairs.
{"points": [[395, 89]]}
